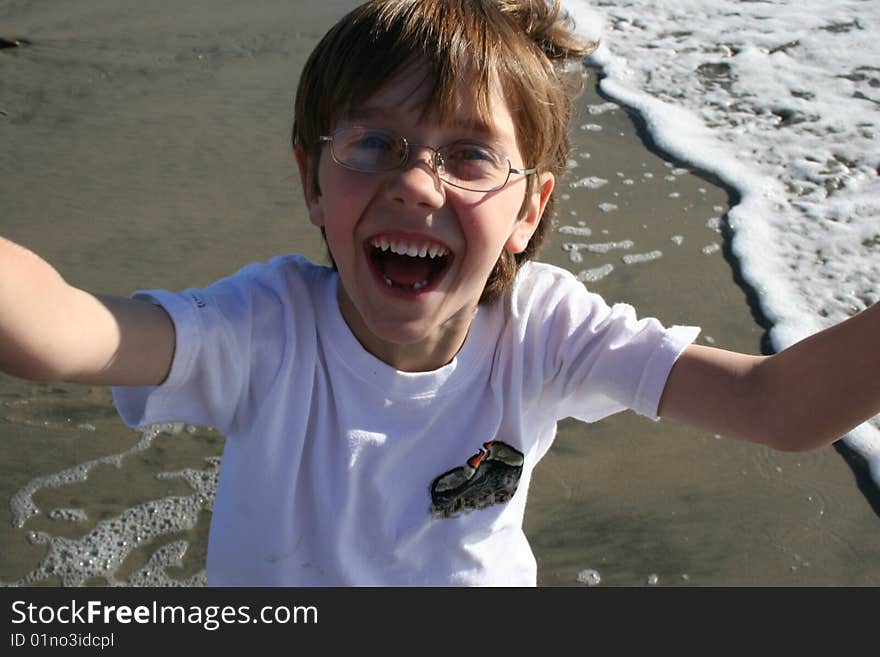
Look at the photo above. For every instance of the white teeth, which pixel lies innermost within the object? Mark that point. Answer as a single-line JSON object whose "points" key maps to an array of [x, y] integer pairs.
{"points": [[418, 285], [411, 250]]}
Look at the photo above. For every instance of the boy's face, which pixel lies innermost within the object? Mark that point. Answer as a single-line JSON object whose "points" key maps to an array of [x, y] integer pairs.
{"points": [[414, 312]]}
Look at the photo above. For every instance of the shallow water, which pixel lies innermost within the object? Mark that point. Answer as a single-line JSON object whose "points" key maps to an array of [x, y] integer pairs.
{"points": [[147, 148]]}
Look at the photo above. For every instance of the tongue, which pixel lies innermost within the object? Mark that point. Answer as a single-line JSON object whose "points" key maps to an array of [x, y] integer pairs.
{"points": [[404, 270]]}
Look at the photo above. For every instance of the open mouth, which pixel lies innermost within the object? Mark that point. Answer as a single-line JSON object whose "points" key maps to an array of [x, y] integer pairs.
{"points": [[408, 265]]}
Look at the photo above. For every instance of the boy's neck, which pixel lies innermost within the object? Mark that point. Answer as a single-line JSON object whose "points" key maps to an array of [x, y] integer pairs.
{"points": [[428, 354]]}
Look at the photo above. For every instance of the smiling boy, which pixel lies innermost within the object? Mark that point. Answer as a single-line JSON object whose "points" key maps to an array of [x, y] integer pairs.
{"points": [[415, 315], [384, 416]]}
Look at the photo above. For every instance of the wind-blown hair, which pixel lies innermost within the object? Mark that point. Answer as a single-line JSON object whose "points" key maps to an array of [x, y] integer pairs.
{"points": [[522, 46]]}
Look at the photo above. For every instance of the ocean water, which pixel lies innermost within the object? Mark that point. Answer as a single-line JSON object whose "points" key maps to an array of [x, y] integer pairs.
{"points": [[781, 100]]}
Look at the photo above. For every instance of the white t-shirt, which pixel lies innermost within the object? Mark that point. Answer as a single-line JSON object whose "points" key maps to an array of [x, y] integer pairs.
{"points": [[339, 470]]}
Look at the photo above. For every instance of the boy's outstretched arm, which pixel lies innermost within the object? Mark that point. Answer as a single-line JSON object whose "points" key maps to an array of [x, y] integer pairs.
{"points": [[50, 330], [806, 396]]}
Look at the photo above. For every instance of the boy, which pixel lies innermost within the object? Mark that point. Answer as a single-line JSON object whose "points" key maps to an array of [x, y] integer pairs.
{"points": [[383, 417]]}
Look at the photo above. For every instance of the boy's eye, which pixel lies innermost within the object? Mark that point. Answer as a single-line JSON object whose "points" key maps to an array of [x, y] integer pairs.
{"points": [[468, 161], [470, 153], [373, 141], [369, 149]]}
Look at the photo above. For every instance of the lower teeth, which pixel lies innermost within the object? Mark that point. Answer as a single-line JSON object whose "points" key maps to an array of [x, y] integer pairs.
{"points": [[415, 286]]}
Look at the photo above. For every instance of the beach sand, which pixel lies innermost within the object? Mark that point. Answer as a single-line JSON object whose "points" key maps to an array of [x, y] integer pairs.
{"points": [[150, 148]]}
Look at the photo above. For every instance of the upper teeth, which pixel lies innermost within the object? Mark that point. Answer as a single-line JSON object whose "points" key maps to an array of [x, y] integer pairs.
{"points": [[410, 249]]}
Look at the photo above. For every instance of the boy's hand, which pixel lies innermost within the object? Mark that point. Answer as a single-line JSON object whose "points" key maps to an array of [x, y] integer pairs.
{"points": [[50, 330], [806, 396]]}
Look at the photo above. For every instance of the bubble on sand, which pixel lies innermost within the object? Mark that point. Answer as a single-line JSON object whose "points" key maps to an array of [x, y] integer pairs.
{"points": [[589, 577], [590, 182], [22, 503], [69, 515], [607, 207], [595, 274], [602, 108], [709, 249], [581, 231], [605, 247], [637, 258], [591, 127], [653, 579], [574, 248], [714, 224], [154, 573], [99, 553], [677, 239]]}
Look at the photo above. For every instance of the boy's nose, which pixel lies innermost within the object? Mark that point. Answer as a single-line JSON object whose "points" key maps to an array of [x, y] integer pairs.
{"points": [[421, 153], [417, 182]]}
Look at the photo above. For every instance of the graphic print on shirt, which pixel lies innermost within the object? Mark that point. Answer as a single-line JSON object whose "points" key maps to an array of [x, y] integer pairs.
{"points": [[488, 477]]}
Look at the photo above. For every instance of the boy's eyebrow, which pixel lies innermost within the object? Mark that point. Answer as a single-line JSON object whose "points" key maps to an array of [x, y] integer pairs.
{"points": [[471, 125]]}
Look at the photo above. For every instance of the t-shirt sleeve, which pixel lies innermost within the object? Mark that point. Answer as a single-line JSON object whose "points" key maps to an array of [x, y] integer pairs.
{"points": [[220, 331], [597, 359], [206, 374]]}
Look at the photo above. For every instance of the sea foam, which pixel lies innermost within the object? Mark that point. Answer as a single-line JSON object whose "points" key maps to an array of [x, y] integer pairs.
{"points": [[780, 100]]}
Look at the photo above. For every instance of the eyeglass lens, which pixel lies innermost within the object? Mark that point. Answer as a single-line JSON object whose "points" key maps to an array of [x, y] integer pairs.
{"points": [[463, 164]]}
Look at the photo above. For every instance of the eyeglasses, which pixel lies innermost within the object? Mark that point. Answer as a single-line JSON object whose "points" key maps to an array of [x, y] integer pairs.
{"points": [[463, 164]]}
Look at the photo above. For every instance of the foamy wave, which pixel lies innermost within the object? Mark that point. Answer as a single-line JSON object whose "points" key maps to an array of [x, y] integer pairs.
{"points": [[780, 100]]}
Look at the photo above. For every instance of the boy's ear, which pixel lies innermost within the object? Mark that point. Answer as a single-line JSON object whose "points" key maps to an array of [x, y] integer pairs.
{"points": [[306, 177], [526, 226]]}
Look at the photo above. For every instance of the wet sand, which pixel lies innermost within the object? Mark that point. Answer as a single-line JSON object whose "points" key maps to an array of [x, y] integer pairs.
{"points": [[145, 148]]}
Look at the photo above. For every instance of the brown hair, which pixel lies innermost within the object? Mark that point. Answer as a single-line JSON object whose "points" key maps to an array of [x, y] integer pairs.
{"points": [[522, 45]]}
